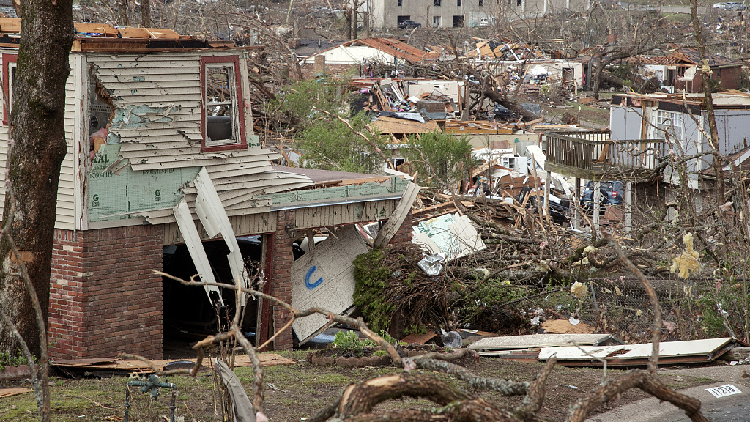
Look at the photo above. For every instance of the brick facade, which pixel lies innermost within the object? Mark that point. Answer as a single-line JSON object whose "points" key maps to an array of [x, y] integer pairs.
{"points": [[403, 234], [104, 297], [281, 259]]}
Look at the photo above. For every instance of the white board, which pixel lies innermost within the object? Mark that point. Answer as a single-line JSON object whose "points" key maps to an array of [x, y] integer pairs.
{"points": [[324, 278]]}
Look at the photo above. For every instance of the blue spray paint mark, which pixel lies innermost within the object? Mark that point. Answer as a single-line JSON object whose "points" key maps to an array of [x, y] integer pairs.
{"points": [[307, 278]]}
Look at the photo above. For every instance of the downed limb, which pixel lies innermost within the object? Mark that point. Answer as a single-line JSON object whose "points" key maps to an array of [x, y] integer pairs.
{"points": [[507, 388], [644, 380], [295, 314]]}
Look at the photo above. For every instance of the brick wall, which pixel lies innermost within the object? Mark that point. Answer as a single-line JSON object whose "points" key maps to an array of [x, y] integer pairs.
{"points": [[280, 278], [104, 298], [403, 234]]}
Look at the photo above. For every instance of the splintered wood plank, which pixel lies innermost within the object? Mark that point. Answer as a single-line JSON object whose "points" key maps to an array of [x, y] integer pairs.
{"points": [[390, 228], [10, 25], [94, 28], [8, 392]]}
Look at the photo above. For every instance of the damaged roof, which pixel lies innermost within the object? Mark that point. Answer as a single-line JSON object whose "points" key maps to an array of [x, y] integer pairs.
{"points": [[390, 46], [105, 37]]}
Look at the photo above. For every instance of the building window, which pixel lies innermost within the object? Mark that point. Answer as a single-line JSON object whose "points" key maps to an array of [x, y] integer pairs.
{"points": [[223, 117], [481, 3], [437, 3], [9, 78], [458, 21], [458, 3], [436, 21], [400, 3]]}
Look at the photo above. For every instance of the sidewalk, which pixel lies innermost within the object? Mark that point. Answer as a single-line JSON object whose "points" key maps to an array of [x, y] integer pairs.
{"points": [[735, 407]]}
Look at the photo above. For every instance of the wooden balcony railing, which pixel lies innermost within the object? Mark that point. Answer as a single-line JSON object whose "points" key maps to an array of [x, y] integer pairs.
{"points": [[595, 152]]}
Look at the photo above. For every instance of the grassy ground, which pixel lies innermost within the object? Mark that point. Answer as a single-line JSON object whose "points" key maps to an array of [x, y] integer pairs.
{"points": [[292, 392]]}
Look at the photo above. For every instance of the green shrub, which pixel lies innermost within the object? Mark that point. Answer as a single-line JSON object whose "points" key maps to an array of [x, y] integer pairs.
{"points": [[349, 343]]}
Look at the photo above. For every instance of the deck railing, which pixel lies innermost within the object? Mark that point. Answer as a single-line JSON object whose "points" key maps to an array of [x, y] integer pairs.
{"points": [[594, 151]]}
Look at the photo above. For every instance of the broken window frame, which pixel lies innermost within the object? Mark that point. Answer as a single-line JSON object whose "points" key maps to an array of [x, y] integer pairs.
{"points": [[437, 3], [238, 140], [9, 67]]}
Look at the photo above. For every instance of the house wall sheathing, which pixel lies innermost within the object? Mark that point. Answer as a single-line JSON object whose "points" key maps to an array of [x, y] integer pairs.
{"points": [[104, 297]]}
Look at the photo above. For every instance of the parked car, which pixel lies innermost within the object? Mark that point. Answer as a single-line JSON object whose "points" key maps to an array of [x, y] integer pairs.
{"points": [[736, 6], [611, 194], [409, 24], [559, 208], [500, 112]]}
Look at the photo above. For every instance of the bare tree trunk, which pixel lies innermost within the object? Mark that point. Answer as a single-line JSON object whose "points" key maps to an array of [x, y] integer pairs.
{"points": [[708, 99], [35, 156], [122, 9], [146, 13]]}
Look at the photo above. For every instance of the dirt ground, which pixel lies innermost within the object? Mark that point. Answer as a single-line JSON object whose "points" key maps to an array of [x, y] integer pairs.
{"points": [[295, 391]]}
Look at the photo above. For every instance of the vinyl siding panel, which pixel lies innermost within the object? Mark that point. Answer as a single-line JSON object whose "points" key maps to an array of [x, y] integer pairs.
{"points": [[65, 209], [66, 206]]}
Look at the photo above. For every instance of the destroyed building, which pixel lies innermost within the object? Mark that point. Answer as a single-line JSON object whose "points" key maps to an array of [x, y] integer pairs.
{"points": [[680, 70], [161, 153], [362, 54], [464, 13]]}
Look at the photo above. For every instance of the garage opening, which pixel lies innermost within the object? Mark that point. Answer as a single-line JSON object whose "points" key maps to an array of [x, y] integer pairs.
{"points": [[189, 314]]}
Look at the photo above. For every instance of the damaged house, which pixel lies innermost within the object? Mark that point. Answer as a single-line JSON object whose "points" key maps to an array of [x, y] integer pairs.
{"points": [[161, 154]]}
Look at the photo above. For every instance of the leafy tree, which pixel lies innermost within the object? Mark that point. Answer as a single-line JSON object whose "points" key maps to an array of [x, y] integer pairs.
{"points": [[325, 137], [331, 144], [440, 160]]}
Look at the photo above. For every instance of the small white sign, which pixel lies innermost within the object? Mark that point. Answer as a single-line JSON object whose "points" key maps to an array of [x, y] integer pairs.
{"points": [[723, 391]]}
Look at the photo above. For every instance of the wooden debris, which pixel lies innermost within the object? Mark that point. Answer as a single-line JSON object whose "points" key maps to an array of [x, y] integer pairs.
{"points": [[8, 392]]}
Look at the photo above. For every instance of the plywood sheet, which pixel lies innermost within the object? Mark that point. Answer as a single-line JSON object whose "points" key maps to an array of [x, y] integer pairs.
{"points": [[266, 359], [324, 278]]}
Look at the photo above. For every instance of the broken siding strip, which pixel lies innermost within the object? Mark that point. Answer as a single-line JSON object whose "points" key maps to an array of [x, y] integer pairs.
{"points": [[390, 228], [214, 159], [139, 83], [140, 76], [215, 221], [195, 247], [155, 135]]}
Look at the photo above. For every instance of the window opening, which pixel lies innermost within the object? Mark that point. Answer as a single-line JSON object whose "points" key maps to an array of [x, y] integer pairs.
{"points": [[222, 115]]}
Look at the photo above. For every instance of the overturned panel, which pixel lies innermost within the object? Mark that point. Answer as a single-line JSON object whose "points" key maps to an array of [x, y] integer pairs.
{"points": [[451, 235], [324, 278], [692, 351], [542, 340]]}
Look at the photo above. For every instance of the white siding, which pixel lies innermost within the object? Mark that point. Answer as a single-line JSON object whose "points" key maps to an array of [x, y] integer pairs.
{"points": [[65, 218], [157, 117], [66, 204]]}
